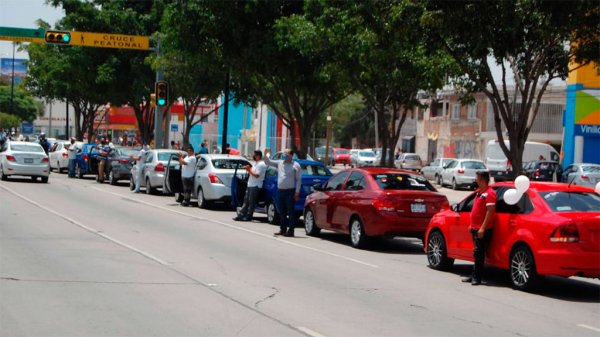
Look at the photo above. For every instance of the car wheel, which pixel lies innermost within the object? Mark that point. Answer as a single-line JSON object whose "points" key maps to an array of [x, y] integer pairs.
{"points": [[149, 189], [3, 176], [111, 178], [178, 197], [523, 274], [202, 203], [438, 179], [272, 214], [131, 184], [437, 255], [44, 180], [454, 185], [310, 226], [358, 238], [78, 172], [34, 179]]}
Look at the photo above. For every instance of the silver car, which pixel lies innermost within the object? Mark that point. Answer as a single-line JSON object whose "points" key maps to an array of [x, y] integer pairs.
{"points": [[24, 159], [433, 171], [461, 172], [153, 172], [409, 161], [362, 158], [582, 174], [58, 155]]}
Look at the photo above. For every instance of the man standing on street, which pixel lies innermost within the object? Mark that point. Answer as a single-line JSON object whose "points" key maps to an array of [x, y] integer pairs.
{"points": [[255, 182], [289, 181], [102, 158], [139, 168], [483, 216], [188, 172], [72, 157], [203, 148]]}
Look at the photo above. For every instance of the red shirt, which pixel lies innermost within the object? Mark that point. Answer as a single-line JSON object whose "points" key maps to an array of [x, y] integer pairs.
{"points": [[482, 200]]}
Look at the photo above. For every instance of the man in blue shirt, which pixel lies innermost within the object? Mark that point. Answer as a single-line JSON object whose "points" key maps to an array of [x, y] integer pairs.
{"points": [[102, 157]]}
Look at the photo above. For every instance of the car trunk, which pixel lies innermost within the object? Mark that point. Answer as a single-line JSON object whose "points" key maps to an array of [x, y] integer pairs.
{"points": [[588, 226], [227, 175], [416, 204], [30, 158]]}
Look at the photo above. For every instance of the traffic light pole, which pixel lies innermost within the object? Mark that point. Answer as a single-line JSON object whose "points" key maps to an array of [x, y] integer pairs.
{"points": [[158, 131]]}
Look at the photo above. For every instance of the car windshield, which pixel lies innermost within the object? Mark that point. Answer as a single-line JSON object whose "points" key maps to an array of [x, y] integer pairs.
{"points": [[342, 151], [314, 170], [366, 154], [402, 181], [412, 157], [446, 162], [475, 165], [591, 168], [495, 152], [227, 164], [572, 201], [546, 166], [128, 151], [26, 148], [164, 156]]}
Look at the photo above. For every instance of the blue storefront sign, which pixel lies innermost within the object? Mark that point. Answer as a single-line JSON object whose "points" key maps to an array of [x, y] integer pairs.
{"points": [[27, 128]]}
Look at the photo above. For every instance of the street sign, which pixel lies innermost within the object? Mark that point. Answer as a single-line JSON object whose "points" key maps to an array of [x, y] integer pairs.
{"points": [[105, 40], [22, 34], [174, 127], [26, 128]]}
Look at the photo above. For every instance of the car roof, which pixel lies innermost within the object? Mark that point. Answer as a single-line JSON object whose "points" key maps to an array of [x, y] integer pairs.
{"points": [[466, 159], [548, 187], [221, 156], [381, 170]]}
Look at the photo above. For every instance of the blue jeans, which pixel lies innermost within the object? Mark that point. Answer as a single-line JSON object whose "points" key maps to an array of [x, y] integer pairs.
{"points": [[71, 168], [287, 215]]}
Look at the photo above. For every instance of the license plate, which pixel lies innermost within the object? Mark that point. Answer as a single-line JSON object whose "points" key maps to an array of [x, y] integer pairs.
{"points": [[499, 173], [28, 160], [417, 208]]}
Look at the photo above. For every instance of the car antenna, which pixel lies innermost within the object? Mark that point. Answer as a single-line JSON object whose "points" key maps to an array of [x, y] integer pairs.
{"points": [[572, 180]]}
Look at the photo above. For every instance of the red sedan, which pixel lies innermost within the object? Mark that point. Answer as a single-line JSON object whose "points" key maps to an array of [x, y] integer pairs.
{"points": [[553, 230], [371, 202], [341, 156]]}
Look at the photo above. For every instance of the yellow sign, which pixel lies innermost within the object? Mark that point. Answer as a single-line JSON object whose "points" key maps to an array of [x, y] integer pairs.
{"points": [[22, 39], [105, 40]]}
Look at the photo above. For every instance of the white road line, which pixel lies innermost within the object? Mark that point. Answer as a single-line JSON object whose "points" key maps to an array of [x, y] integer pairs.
{"points": [[588, 327], [241, 229], [309, 332], [89, 229]]}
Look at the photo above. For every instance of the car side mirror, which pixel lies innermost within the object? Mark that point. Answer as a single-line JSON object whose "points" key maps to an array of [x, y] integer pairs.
{"points": [[454, 207]]}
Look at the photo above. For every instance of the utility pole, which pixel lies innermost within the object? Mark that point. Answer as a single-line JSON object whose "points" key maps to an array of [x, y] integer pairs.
{"points": [[225, 114], [158, 134], [327, 135], [67, 119], [376, 130], [12, 82]]}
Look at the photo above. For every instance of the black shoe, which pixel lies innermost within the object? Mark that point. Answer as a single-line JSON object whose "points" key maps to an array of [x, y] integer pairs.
{"points": [[475, 282], [185, 204], [246, 219], [289, 233], [238, 218], [281, 232], [467, 279]]}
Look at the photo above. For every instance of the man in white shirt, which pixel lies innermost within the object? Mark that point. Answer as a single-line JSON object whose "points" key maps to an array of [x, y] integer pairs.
{"points": [[188, 172], [255, 182], [139, 167], [72, 157]]}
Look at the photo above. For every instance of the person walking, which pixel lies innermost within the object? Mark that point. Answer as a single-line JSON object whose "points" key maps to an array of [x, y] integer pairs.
{"points": [[203, 148], [72, 157], [289, 181], [483, 217], [139, 167], [255, 182], [102, 157], [44, 142], [188, 172]]}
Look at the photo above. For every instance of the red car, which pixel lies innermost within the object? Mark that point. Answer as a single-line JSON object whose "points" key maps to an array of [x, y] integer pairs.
{"points": [[553, 230], [372, 202], [341, 156]]}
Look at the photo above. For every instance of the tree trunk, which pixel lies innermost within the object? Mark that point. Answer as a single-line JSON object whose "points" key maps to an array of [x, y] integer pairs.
{"points": [[145, 122]]}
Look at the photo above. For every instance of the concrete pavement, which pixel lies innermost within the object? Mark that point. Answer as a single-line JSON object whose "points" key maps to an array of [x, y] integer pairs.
{"points": [[82, 259]]}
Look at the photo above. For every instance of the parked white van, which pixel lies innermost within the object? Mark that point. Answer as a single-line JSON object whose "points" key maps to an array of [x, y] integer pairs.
{"points": [[499, 166]]}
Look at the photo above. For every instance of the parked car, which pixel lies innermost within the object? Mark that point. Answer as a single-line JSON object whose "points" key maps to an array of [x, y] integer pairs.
{"points": [[500, 167], [313, 172], [119, 164], [582, 174], [542, 170], [24, 159], [461, 173], [214, 175], [320, 154], [433, 171], [409, 161], [58, 156], [362, 158], [153, 172], [86, 162], [341, 156], [552, 230], [372, 202]]}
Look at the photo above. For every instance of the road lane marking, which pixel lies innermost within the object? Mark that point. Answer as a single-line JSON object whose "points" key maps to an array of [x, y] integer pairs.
{"points": [[309, 332], [588, 327], [87, 228], [270, 237]]}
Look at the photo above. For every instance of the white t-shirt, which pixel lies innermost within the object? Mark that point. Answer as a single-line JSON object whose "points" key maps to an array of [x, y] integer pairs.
{"points": [[189, 170], [140, 162], [72, 151], [259, 168]]}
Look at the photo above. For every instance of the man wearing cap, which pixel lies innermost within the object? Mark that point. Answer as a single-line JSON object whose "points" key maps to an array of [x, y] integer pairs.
{"points": [[72, 157], [255, 182]]}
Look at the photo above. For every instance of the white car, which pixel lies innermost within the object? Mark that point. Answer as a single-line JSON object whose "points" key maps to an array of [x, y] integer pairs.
{"points": [[153, 171], [24, 159], [59, 155], [362, 158], [461, 172]]}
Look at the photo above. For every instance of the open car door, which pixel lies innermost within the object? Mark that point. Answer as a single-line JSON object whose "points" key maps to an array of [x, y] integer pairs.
{"points": [[172, 182], [239, 184]]}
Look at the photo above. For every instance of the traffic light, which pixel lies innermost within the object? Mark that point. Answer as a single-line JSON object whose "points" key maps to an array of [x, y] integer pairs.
{"points": [[57, 37], [162, 93], [153, 100]]}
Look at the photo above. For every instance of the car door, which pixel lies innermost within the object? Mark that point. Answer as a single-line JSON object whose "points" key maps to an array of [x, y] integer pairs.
{"points": [[324, 200], [349, 200], [448, 172], [429, 170], [459, 241], [172, 181], [147, 166]]}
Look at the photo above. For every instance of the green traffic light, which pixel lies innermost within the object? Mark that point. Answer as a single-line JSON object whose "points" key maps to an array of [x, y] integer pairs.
{"points": [[162, 101], [66, 37]]}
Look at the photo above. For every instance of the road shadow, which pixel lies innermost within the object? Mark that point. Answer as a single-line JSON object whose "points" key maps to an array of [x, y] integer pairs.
{"points": [[395, 245], [23, 180], [559, 288]]}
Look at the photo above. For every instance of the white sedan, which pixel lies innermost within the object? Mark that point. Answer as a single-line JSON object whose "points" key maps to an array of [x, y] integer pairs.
{"points": [[24, 159], [59, 156]]}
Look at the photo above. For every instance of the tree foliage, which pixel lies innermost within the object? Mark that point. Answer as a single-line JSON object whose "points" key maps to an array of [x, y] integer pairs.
{"points": [[24, 107]]}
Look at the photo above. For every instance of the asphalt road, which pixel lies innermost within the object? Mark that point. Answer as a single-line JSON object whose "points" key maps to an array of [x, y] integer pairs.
{"points": [[82, 259]]}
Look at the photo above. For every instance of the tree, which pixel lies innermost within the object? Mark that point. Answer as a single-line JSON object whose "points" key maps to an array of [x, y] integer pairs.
{"points": [[24, 107], [526, 38], [8, 121]]}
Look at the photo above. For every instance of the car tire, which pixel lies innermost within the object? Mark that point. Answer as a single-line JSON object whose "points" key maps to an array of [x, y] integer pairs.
{"points": [[438, 180], [437, 254], [310, 225], [178, 197], [202, 202], [111, 178], [149, 188], [272, 214], [358, 237], [523, 274], [454, 185], [3, 176], [131, 184], [45, 180]]}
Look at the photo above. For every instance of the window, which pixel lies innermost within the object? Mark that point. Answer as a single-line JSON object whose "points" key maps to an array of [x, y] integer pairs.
{"points": [[26, 147], [402, 181], [149, 157], [590, 169], [356, 182], [369, 154], [229, 164], [572, 201], [524, 205], [452, 164], [435, 163], [202, 163], [446, 162], [455, 112], [336, 182], [314, 170], [271, 172], [474, 165], [472, 112], [467, 204]]}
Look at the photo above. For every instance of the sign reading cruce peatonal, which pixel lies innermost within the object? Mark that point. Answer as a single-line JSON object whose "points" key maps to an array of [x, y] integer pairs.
{"points": [[105, 40]]}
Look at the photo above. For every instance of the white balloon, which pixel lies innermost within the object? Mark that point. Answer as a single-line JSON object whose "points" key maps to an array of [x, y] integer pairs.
{"points": [[512, 196], [598, 187], [522, 184]]}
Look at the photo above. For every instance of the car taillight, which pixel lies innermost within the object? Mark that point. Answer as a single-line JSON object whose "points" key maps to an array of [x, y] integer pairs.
{"points": [[508, 166], [65, 155], [45, 160], [537, 172], [214, 179], [384, 205], [461, 171], [86, 157], [584, 177], [565, 233], [11, 158], [159, 167], [123, 161]]}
